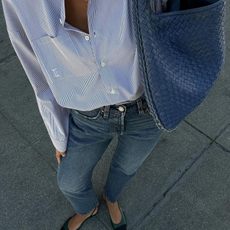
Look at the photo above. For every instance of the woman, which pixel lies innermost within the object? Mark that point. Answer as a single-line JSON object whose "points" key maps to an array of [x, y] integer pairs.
{"points": [[87, 70], [81, 59]]}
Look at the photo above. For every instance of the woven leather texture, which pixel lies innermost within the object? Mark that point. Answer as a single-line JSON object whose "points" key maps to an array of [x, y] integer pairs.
{"points": [[181, 54]]}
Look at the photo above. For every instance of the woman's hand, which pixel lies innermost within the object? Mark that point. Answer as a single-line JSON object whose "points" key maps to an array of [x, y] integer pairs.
{"points": [[59, 155]]}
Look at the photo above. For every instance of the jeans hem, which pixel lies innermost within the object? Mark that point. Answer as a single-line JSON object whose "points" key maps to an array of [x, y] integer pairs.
{"points": [[87, 212], [108, 197]]}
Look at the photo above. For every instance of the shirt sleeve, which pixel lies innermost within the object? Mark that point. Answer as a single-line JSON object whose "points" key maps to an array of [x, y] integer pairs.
{"points": [[55, 117]]}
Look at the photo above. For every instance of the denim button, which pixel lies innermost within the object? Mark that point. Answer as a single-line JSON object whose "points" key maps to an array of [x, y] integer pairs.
{"points": [[121, 109]]}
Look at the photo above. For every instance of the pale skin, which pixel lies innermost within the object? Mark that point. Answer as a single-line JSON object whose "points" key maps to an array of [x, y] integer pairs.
{"points": [[76, 15]]}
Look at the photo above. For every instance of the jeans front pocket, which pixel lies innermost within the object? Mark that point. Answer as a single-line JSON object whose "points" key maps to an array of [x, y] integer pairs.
{"points": [[89, 115]]}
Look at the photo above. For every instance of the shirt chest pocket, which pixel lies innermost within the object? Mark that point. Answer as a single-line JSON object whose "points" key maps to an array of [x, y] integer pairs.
{"points": [[60, 58]]}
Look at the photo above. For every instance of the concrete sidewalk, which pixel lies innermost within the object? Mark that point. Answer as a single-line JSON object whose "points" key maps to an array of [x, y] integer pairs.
{"points": [[184, 183]]}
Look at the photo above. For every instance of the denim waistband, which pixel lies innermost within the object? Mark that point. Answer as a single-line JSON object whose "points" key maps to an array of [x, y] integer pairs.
{"points": [[139, 104]]}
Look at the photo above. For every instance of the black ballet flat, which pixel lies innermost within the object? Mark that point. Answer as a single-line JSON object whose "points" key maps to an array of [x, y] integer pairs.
{"points": [[65, 226], [122, 224]]}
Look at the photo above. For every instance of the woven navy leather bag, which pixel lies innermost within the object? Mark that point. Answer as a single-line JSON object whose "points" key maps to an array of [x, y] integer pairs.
{"points": [[181, 53]]}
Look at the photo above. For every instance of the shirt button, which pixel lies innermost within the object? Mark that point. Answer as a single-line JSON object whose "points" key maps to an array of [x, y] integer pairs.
{"points": [[60, 20], [87, 38], [103, 64], [113, 91], [121, 109]]}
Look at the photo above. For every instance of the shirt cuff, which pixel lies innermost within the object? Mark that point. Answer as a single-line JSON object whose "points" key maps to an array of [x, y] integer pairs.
{"points": [[61, 146]]}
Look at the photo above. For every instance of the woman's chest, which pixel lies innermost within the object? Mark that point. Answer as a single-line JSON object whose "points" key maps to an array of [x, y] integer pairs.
{"points": [[76, 14]]}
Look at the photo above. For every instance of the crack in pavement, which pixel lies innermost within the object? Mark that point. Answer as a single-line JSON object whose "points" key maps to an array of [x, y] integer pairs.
{"points": [[29, 144], [170, 187], [7, 59], [216, 137]]}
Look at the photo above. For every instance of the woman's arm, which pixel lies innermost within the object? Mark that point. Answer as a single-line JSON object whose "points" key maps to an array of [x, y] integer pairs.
{"points": [[56, 118]]}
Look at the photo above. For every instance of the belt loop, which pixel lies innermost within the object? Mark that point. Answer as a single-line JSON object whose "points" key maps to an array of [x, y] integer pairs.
{"points": [[140, 106], [106, 111], [123, 120]]}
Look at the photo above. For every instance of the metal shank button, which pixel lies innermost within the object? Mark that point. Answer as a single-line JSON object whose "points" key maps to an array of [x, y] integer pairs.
{"points": [[121, 109]]}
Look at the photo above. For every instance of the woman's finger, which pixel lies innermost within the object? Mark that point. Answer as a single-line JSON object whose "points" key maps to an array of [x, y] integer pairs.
{"points": [[59, 155], [58, 159]]}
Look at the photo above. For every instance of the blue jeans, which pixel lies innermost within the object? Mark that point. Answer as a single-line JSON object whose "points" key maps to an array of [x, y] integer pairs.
{"points": [[89, 136]]}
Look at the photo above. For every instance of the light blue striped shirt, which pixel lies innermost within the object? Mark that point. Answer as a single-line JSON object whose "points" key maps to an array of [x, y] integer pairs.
{"points": [[69, 68]]}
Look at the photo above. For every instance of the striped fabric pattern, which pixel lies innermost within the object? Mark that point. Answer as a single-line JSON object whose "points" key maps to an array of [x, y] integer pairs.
{"points": [[70, 69]]}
